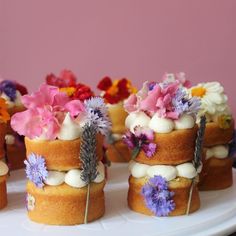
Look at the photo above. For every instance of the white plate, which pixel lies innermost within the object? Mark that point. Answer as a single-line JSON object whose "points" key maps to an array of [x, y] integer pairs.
{"points": [[217, 215]]}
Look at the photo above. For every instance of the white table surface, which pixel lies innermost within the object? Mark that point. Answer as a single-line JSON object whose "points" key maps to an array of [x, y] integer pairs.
{"points": [[217, 215]]}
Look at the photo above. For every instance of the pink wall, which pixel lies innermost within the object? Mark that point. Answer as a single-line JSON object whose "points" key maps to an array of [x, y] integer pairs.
{"points": [[138, 39]]}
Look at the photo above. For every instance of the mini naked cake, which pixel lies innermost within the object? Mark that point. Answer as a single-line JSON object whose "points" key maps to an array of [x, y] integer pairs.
{"points": [[166, 148], [12, 91], [4, 118], [114, 94], [64, 139], [217, 163]]}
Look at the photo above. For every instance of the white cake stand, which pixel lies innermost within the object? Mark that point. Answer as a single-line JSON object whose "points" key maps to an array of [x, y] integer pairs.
{"points": [[217, 215]]}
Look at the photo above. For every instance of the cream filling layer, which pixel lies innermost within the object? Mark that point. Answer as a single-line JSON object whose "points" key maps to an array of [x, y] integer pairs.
{"points": [[157, 124], [218, 151], [3, 168], [73, 177], [168, 172]]}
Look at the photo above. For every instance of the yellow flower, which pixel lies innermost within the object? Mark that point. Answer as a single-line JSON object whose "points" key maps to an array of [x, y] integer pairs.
{"points": [[224, 121], [68, 90], [4, 115], [131, 88], [198, 92]]}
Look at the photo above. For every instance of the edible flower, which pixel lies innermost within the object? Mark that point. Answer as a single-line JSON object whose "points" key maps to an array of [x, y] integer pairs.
{"points": [[157, 196], [117, 91], [141, 139]]}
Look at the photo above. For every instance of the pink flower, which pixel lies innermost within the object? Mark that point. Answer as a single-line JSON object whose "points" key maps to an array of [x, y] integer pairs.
{"points": [[47, 95], [130, 104], [46, 112], [180, 77]]}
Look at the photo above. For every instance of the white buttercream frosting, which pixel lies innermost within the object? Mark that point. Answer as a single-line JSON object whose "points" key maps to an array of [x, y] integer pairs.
{"points": [[137, 119], [185, 122], [70, 130], [10, 139], [3, 168], [161, 125], [218, 151], [168, 172], [55, 178], [117, 137], [186, 170], [73, 178], [101, 173], [16, 102]]}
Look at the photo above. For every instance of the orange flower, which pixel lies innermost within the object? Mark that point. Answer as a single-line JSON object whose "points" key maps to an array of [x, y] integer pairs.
{"points": [[68, 90], [4, 115]]}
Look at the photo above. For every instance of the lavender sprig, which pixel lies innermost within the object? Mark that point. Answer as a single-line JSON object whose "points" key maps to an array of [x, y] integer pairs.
{"points": [[88, 158], [197, 156]]}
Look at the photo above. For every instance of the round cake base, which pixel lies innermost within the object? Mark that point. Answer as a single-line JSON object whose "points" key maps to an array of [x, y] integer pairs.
{"points": [[216, 174], [181, 188], [3, 192], [118, 152], [64, 205]]}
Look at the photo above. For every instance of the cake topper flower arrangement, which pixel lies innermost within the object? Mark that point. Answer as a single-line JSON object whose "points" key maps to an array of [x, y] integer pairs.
{"points": [[159, 107], [116, 91], [50, 114], [66, 82]]}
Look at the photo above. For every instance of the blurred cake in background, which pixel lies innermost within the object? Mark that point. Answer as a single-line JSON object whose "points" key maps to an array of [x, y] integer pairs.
{"points": [[114, 94], [64, 142], [217, 163], [12, 91], [4, 118], [162, 137]]}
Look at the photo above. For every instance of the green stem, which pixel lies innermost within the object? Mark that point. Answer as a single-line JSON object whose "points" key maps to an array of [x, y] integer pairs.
{"points": [[190, 197], [87, 205], [135, 152]]}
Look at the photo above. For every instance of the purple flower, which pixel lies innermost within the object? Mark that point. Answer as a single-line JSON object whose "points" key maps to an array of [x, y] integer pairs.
{"points": [[182, 103], [98, 115], [36, 169], [158, 197], [9, 88], [140, 139]]}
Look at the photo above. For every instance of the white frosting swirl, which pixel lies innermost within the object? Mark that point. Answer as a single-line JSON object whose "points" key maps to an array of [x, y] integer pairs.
{"points": [[185, 122], [136, 119], [3, 168], [70, 130], [218, 151], [10, 139], [168, 172], [55, 178], [161, 125], [73, 177]]}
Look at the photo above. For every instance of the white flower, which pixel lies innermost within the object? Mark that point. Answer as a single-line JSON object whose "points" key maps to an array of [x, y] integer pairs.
{"points": [[213, 99], [30, 202]]}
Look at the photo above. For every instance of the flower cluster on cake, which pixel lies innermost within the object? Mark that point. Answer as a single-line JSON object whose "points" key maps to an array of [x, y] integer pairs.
{"points": [[114, 94], [4, 118], [219, 135], [64, 140], [12, 91], [162, 137]]}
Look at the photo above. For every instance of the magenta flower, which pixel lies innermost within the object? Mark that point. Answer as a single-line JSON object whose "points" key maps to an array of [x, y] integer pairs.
{"points": [[140, 140]]}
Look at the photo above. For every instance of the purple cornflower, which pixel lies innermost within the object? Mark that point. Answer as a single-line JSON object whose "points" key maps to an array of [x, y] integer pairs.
{"points": [[140, 139], [182, 103], [9, 88], [36, 169], [97, 114], [158, 197]]}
